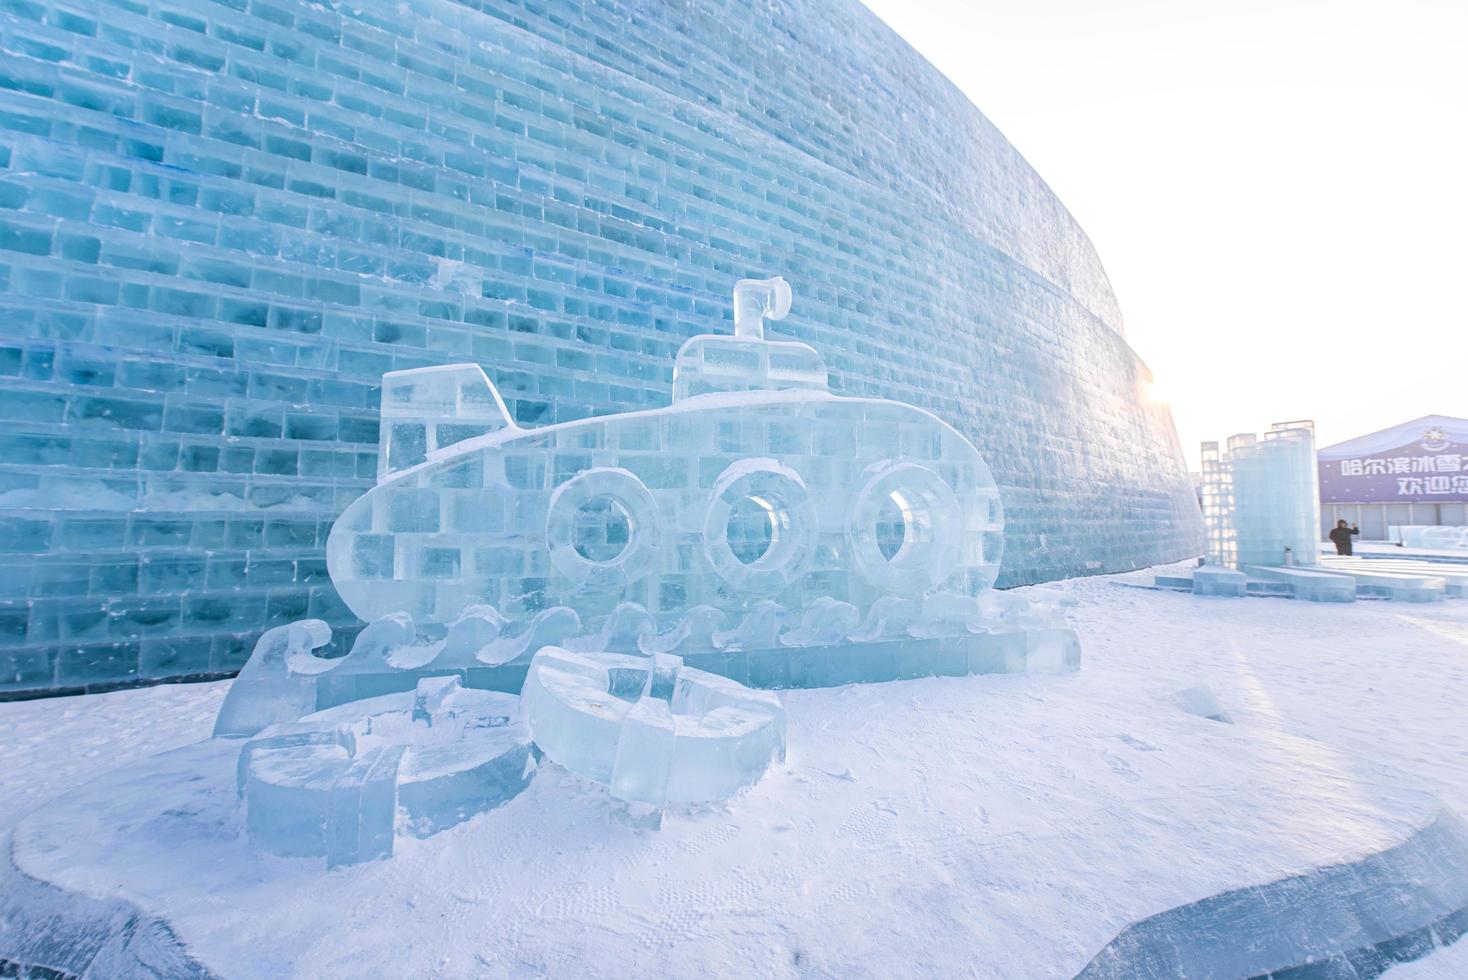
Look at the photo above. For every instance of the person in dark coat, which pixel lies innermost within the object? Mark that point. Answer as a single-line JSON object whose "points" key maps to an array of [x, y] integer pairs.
{"points": [[1341, 535]]}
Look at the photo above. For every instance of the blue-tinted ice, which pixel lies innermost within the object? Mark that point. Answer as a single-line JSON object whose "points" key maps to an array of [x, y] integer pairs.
{"points": [[755, 483], [638, 576], [755, 515]]}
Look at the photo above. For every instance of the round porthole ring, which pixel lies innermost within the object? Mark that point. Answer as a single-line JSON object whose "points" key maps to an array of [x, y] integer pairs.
{"points": [[785, 561], [918, 566], [643, 533]]}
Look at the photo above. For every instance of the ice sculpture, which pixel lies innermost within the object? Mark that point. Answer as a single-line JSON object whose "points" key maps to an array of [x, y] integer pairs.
{"points": [[635, 576], [1261, 500], [650, 729], [759, 526], [343, 782]]}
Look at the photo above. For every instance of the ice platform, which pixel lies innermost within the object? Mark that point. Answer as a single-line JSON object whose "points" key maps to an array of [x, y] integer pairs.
{"points": [[285, 679], [1263, 581], [1017, 651], [1454, 579], [1401, 586], [1213, 580], [1307, 584]]}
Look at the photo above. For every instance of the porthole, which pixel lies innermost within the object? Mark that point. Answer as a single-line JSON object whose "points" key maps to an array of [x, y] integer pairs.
{"points": [[602, 528], [759, 529], [753, 528], [906, 529]]}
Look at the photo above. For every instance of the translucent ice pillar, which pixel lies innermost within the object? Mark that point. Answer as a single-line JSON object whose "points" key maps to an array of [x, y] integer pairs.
{"points": [[1261, 501]]}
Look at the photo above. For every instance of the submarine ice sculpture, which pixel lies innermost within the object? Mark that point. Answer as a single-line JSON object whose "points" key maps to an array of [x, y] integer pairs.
{"points": [[605, 593], [756, 513]]}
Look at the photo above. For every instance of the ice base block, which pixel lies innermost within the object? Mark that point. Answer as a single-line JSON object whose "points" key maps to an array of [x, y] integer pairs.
{"points": [[1016, 651], [1341, 579], [1213, 580], [1454, 577], [1307, 584]]}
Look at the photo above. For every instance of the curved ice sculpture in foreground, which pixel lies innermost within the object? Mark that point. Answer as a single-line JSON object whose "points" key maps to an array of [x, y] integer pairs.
{"points": [[651, 730], [343, 782]]}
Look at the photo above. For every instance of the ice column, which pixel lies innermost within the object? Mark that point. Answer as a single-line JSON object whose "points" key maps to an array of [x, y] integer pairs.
{"points": [[1261, 502]]}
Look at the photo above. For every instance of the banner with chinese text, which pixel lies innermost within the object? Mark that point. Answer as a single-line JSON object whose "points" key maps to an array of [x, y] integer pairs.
{"points": [[1427, 471]]}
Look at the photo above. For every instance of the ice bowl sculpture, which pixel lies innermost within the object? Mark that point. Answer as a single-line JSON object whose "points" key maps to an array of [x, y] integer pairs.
{"points": [[345, 782], [651, 730]]}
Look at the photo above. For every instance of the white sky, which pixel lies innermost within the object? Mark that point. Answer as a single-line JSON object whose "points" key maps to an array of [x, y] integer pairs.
{"points": [[1278, 188]]}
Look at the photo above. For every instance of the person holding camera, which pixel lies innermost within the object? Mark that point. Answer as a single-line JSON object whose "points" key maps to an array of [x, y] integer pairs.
{"points": [[1341, 535]]}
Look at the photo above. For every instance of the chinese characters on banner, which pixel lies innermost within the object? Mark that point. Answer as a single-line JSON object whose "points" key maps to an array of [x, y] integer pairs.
{"points": [[1407, 473]]}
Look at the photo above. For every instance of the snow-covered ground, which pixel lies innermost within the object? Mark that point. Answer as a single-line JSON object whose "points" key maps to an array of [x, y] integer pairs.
{"points": [[991, 826], [50, 745]]}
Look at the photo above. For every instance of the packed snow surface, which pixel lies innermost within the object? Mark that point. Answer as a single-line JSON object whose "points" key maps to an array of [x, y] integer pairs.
{"points": [[1002, 826]]}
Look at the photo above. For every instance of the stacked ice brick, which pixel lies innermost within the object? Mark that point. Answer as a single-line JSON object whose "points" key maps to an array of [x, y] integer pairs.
{"points": [[221, 223], [1261, 501]]}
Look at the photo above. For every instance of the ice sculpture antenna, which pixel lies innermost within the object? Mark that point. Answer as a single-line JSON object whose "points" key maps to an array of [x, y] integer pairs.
{"points": [[758, 300]]}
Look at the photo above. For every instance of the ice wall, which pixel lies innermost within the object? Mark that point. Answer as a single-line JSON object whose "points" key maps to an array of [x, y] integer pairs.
{"points": [[220, 225]]}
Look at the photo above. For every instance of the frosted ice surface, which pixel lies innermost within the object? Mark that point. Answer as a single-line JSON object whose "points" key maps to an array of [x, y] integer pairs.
{"points": [[548, 627], [343, 782], [428, 409], [368, 670], [672, 735], [476, 628], [696, 631], [646, 744]]}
